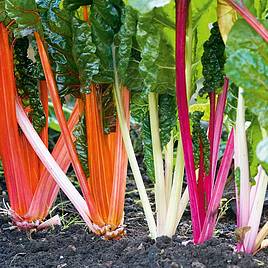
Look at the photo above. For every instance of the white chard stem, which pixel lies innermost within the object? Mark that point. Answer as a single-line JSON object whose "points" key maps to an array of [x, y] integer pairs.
{"points": [[241, 159], [160, 191], [175, 206], [131, 154], [169, 167]]}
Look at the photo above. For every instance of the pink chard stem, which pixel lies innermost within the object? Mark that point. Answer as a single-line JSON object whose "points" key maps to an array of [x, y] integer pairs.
{"points": [[183, 113], [217, 191], [211, 129], [218, 123]]}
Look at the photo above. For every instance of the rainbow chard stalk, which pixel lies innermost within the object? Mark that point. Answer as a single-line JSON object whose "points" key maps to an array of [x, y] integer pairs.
{"points": [[183, 113], [241, 8], [205, 191], [101, 166], [31, 189], [244, 67]]}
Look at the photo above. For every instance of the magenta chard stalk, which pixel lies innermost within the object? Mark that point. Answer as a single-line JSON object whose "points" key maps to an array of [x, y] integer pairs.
{"points": [[183, 113]]}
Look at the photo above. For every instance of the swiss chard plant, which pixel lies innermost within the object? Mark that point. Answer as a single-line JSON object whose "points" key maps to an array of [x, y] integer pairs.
{"points": [[247, 49], [185, 71]]}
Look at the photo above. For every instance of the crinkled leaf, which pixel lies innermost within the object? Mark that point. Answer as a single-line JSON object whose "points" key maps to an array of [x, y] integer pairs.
{"points": [[81, 144], [125, 41], [133, 80], [199, 136], [213, 60], [167, 117], [25, 12], [139, 106], [203, 14], [108, 109], [149, 38], [147, 147], [105, 23], [157, 65], [27, 76], [84, 51], [231, 104], [58, 35], [140, 113]]}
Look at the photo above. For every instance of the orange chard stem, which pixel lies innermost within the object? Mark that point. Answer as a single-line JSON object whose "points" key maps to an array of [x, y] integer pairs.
{"points": [[85, 13], [100, 181], [31, 163], [52, 87], [44, 132], [10, 146], [120, 171]]}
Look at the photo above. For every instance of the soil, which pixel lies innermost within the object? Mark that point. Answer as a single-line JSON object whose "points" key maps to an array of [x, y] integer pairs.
{"points": [[73, 246]]}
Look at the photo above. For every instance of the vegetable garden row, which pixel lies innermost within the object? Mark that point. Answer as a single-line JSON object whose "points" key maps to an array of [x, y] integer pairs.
{"points": [[192, 74]]}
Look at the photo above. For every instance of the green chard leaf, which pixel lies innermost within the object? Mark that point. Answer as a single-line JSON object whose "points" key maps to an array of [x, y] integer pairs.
{"points": [[148, 159], [81, 144], [146, 6], [75, 4], [247, 67], [2, 10], [155, 60], [105, 23], [84, 52], [231, 104], [199, 136], [213, 60], [140, 114], [58, 35], [167, 117], [27, 75], [262, 153], [157, 65], [26, 14], [254, 136], [124, 42]]}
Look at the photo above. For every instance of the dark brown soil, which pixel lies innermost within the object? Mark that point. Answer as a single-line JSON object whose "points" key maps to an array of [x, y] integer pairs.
{"points": [[74, 246]]}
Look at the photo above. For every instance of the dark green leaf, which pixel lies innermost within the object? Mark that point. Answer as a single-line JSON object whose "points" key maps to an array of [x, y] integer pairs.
{"points": [[58, 35], [75, 4], [105, 19], [84, 51], [213, 60], [147, 147], [81, 144], [27, 83], [167, 117], [25, 12], [199, 137], [125, 41]]}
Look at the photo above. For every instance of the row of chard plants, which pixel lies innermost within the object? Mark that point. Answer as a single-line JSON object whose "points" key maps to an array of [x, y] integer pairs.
{"points": [[192, 74]]}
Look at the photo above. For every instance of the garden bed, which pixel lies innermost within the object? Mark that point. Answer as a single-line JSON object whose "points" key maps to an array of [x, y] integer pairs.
{"points": [[73, 246]]}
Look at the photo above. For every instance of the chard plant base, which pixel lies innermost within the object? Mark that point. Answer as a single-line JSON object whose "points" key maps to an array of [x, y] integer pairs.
{"points": [[74, 247]]}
